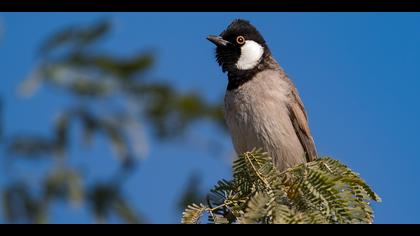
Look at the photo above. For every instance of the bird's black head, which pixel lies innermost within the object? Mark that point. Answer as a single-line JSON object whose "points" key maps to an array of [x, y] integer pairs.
{"points": [[240, 47]]}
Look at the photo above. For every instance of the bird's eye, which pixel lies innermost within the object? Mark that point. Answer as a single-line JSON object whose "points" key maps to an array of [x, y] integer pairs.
{"points": [[240, 40]]}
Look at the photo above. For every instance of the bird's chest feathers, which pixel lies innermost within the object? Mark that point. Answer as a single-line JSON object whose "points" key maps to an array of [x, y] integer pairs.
{"points": [[258, 109]]}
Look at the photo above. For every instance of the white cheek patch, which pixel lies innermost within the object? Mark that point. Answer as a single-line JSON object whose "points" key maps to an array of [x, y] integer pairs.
{"points": [[251, 53]]}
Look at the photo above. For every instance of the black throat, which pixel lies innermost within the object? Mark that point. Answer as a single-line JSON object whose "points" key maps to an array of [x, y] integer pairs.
{"points": [[237, 78], [240, 77]]}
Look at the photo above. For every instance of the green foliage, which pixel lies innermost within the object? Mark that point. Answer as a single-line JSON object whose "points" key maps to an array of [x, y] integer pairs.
{"points": [[322, 191], [109, 95]]}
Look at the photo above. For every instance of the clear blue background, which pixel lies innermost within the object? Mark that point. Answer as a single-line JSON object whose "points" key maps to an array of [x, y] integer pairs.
{"points": [[358, 75]]}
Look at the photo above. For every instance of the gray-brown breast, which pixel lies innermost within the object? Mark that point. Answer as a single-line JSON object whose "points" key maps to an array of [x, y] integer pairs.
{"points": [[266, 112]]}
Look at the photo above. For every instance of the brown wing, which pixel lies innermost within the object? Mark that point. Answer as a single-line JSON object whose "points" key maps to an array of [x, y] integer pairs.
{"points": [[300, 123]]}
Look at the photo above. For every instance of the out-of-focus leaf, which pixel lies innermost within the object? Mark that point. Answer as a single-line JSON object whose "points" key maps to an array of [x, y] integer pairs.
{"points": [[36, 146], [31, 84], [117, 140], [76, 36], [64, 184], [136, 136], [170, 111], [31, 146], [61, 133], [215, 113], [88, 87], [119, 67], [104, 88], [76, 81], [191, 193], [126, 212], [19, 204], [89, 127], [76, 191], [107, 199], [101, 198]]}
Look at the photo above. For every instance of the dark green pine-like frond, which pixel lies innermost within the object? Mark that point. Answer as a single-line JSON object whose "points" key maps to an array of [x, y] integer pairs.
{"points": [[322, 191]]}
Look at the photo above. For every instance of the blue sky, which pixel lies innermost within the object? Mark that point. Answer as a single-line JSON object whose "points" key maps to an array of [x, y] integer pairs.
{"points": [[357, 73]]}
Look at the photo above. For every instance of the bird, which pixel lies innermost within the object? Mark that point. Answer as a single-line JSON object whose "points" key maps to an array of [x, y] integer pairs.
{"points": [[262, 106]]}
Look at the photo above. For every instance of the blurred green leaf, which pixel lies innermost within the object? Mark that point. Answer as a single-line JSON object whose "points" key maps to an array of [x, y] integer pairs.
{"points": [[19, 204], [61, 133], [191, 193], [121, 68], [64, 184], [111, 95], [126, 212], [31, 146], [171, 112], [76, 36], [106, 198], [101, 197]]}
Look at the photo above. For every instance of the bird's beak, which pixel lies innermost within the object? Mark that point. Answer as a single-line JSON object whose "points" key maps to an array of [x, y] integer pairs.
{"points": [[217, 40]]}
